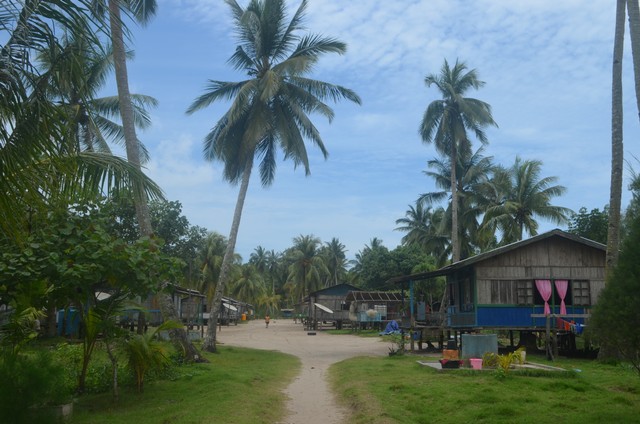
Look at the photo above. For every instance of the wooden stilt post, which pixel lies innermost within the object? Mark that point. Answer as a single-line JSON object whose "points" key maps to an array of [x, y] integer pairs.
{"points": [[548, 339]]}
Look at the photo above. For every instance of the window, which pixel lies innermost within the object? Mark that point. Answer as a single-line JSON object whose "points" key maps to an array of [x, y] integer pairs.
{"points": [[580, 290], [524, 292]]}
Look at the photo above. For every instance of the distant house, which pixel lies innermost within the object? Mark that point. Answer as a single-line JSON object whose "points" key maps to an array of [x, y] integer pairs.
{"points": [[367, 307], [328, 305], [231, 311], [188, 304], [514, 286]]}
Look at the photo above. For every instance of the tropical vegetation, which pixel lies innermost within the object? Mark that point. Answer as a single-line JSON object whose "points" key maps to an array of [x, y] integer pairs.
{"points": [[446, 124], [270, 110], [87, 233]]}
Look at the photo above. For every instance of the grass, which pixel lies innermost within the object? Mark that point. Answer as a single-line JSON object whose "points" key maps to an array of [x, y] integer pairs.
{"points": [[352, 332], [398, 390], [245, 386], [238, 385]]}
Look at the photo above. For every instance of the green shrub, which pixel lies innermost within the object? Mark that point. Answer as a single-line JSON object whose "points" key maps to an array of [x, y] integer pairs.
{"points": [[98, 378], [30, 381]]}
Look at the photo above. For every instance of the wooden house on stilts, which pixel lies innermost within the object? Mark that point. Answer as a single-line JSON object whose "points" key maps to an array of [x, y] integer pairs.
{"points": [[552, 279]]}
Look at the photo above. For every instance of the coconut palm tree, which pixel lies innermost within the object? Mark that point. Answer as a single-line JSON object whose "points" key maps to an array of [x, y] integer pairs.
{"points": [[617, 153], [39, 165], [271, 108], [308, 268], [446, 122], [525, 196], [141, 11], [633, 8], [423, 227], [81, 70], [335, 258], [472, 172], [260, 259], [249, 285]]}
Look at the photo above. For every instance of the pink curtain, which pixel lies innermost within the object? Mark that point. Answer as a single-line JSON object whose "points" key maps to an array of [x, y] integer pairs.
{"points": [[561, 287], [544, 287]]}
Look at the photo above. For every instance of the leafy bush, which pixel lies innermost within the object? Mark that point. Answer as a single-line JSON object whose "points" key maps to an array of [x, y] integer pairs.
{"points": [[615, 320], [98, 379], [30, 381]]}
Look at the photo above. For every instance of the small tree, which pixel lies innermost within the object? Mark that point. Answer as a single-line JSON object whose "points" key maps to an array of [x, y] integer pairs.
{"points": [[144, 352], [616, 320], [592, 225]]}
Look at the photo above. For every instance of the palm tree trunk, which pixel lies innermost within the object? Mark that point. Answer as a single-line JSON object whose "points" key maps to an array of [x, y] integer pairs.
{"points": [[455, 232], [633, 8], [613, 235], [178, 336], [214, 310], [126, 113]]}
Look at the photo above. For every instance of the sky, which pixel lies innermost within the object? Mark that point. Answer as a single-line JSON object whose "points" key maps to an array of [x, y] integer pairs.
{"points": [[546, 65]]}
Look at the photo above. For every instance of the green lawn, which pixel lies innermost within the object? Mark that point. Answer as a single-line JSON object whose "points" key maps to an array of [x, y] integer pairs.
{"points": [[399, 390], [242, 385]]}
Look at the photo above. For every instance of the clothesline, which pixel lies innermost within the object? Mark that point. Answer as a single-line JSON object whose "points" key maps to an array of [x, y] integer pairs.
{"points": [[572, 326]]}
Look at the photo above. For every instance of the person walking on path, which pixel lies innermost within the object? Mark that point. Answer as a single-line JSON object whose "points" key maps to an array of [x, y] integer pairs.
{"points": [[267, 318]]}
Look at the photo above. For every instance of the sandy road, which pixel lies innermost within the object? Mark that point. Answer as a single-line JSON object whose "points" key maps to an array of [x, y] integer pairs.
{"points": [[310, 400]]}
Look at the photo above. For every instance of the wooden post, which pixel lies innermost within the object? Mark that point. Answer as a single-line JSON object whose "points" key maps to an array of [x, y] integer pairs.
{"points": [[548, 339], [555, 341]]}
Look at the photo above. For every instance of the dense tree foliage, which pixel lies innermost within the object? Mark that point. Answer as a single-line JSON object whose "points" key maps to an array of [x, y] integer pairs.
{"points": [[73, 261], [615, 319], [592, 225], [376, 264]]}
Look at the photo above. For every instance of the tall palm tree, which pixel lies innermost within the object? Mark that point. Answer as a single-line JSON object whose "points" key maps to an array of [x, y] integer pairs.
{"points": [[446, 121], [335, 256], [277, 271], [526, 195], [141, 11], [308, 268], [472, 171], [617, 153], [91, 116], [39, 165], [271, 108], [633, 8], [260, 259]]}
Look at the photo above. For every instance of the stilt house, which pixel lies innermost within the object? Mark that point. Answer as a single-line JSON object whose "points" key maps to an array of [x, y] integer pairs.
{"points": [[328, 305], [515, 286]]}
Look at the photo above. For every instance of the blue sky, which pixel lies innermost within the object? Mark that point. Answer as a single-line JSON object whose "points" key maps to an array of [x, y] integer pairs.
{"points": [[547, 68]]}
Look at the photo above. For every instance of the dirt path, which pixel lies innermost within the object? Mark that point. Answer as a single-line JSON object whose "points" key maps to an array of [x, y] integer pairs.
{"points": [[310, 400]]}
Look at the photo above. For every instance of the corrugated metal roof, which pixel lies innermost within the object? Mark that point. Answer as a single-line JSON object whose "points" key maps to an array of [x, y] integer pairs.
{"points": [[373, 296]]}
